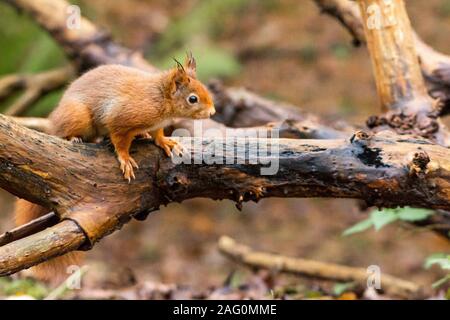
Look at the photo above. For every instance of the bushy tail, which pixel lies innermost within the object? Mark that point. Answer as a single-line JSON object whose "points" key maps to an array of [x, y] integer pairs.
{"points": [[54, 270]]}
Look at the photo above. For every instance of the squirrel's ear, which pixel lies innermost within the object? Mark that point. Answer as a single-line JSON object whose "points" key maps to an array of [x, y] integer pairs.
{"points": [[191, 65], [178, 77]]}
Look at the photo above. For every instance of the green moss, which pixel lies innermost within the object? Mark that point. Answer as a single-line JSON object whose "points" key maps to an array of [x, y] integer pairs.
{"points": [[10, 287]]}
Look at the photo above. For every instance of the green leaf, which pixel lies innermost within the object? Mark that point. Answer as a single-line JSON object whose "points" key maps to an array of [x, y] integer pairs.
{"points": [[359, 227], [383, 218], [28, 287], [440, 282], [414, 214], [441, 259], [340, 288]]}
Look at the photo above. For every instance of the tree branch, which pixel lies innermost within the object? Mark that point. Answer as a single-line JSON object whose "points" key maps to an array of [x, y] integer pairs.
{"points": [[400, 84], [315, 269], [35, 86], [82, 183], [435, 66], [52, 242], [29, 228]]}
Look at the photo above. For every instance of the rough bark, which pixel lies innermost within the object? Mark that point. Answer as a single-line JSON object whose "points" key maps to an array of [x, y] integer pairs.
{"points": [[83, 183], [54, 241], [400, 85], [29, 228]]}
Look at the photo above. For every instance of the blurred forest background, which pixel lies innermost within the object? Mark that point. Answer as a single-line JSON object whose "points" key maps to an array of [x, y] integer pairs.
{"points": [[285, 50]]}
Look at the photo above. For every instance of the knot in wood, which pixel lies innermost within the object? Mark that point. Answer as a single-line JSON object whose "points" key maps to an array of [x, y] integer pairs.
{"points": [[419, 163], [375, 121], [177, 180], [360, 137]]}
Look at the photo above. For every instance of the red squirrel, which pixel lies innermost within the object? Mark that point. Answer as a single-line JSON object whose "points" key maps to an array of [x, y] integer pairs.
{"points": [[122, 103]]}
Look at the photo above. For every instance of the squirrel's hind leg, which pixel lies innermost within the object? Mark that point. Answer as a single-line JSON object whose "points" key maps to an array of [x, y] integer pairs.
{"points": [[72, 120]]}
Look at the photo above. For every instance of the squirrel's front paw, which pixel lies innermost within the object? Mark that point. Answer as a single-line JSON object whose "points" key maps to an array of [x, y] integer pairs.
{"points": [[169, 145], [126, 165]]}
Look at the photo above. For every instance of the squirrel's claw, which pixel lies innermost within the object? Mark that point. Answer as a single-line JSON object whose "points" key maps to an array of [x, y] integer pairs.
{"points": [[179, 149], [76, 140], [168, 145], [127, 168]]}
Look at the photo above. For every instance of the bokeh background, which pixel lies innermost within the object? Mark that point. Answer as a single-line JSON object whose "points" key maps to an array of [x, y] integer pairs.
{"points": [[285, 50]]}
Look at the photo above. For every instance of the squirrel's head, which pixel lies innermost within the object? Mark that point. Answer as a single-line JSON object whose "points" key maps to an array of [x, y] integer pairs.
{"points": [[189, 97]]}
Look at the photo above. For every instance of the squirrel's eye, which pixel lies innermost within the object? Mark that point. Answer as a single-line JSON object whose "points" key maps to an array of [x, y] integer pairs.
{"points": [[192, 99]]}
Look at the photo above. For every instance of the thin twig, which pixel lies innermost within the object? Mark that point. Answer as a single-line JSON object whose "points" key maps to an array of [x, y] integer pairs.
{"points": [[35, 123], [314, 269], [34, 85], [29, 228]]}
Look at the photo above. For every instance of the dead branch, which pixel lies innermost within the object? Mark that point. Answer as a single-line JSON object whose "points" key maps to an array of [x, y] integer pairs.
{"points": [[52, 242], [435, 66], [389, 38], [29, 228], [34, 85], [439, 222], [82, 183], [87, 46], [314, 269], [39, 124], [348, 14], [238, 108]]}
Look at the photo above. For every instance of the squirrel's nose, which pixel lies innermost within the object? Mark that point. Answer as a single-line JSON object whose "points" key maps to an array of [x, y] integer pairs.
{"points": [[212, 111]]}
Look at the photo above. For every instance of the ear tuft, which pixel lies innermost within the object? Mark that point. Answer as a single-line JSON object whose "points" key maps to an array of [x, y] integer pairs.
{"points": [[179, 65], [178, 77], [191, 65]]}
